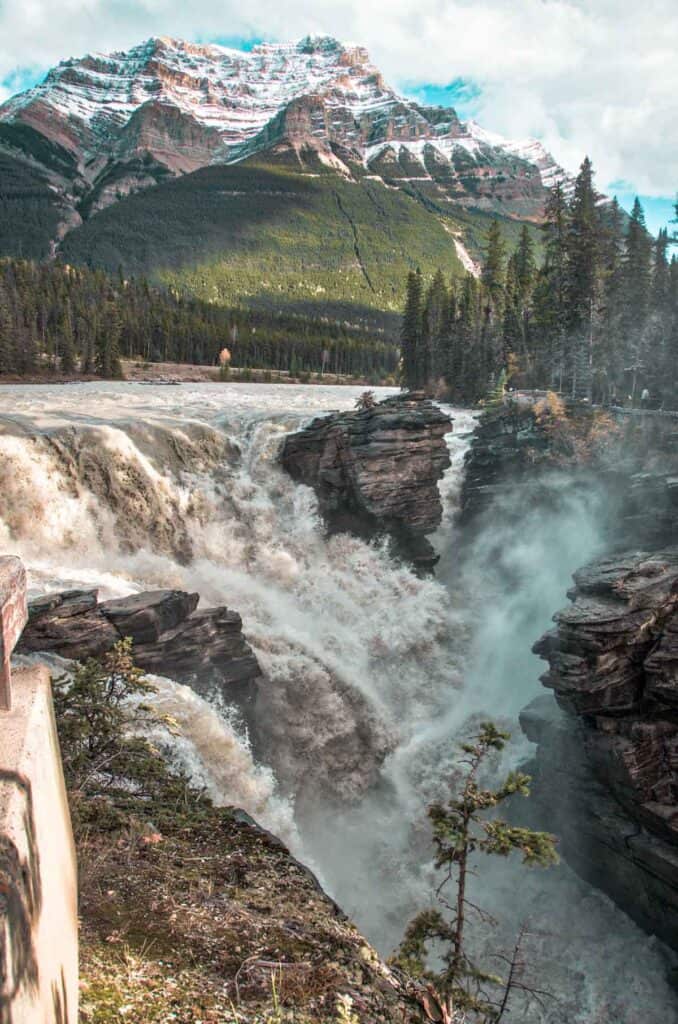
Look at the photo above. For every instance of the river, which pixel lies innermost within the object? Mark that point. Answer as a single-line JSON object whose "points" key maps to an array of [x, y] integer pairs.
{"points": [[372, 674]]}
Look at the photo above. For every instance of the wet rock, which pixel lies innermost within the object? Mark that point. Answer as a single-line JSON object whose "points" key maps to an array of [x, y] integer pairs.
{"points": [[505, 450], [614, 649], [376, 470], [68, 624], [631, 453], [611, 750], [204, 649], [144, 617]]}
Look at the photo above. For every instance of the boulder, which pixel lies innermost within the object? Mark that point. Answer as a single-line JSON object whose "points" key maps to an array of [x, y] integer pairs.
{"points": [[376, 470], [205, 646], [69, 624]]}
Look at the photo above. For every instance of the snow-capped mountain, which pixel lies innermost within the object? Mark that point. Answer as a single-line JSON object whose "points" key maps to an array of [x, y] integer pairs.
{"points": [[116, 123]]}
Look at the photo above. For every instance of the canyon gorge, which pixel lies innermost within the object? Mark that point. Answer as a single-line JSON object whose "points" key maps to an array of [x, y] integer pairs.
{"points": [[330, 598]]}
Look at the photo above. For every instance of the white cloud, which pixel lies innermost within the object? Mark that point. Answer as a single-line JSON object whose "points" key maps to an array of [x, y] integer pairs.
{"points": [[585, 76]]}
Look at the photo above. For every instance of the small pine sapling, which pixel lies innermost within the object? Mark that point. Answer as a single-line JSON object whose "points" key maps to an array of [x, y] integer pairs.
{"points": [[463, 827]]}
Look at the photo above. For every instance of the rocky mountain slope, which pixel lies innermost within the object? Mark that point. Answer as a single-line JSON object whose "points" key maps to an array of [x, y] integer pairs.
{"points": [[103, 128], [185, 106]]}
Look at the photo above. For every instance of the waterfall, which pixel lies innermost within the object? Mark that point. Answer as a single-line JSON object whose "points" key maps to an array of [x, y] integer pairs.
{"points": [[371, 674]]}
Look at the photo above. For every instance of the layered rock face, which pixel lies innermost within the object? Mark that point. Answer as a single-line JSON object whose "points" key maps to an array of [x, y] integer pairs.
{"points": [[202, 649], [610, 750], [376, 471]]}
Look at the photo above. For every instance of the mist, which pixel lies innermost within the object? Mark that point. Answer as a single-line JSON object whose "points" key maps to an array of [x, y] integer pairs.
{"points": [[372, 674]]}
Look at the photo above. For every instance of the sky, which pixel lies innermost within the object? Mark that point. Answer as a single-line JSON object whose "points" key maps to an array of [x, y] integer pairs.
{"points": [[596, 77]]}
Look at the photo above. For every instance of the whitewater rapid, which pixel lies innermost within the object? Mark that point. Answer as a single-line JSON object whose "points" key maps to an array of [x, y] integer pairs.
{"points": [[371, 674]]}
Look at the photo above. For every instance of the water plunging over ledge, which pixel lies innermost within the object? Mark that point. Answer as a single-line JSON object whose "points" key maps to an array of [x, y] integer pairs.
{"points": [[372, 673]]}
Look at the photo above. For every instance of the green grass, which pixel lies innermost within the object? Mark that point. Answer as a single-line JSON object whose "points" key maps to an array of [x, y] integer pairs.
{"points": [[269, 234], [273, 235]]}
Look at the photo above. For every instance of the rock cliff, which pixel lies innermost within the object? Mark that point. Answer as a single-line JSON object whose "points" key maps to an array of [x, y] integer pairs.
{"points": [[376, 471], [503, 451], [631, 453], [609, 747], [200, 648], [607, 739]]}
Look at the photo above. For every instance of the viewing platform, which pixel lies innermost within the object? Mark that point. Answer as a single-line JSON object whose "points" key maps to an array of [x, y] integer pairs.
{"points": [[38, 881]]}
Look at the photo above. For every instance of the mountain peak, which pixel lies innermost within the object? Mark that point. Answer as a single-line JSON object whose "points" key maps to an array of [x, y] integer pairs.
{"points": [[186, 105], [319, 43]]}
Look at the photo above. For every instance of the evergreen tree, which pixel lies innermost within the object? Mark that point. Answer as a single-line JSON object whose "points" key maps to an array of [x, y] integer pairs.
{"points": [[67, 345], [636, 276], [525, 266], [550, 298], [436, 311], [582, 279], [472, 381], [609, 354], [493, 268], [411, 336], [7, 334], [463, 827]]}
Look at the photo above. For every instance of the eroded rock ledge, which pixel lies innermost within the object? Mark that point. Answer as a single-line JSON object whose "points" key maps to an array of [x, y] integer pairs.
{"points": [[203, 649], [609, 746], [376, 470]]}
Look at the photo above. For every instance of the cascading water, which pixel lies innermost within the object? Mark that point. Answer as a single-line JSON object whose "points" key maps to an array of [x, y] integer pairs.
{"points": [[371, 674]]}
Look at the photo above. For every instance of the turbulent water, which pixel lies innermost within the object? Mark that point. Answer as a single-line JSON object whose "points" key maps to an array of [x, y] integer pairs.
{"points": [[371, 674]]}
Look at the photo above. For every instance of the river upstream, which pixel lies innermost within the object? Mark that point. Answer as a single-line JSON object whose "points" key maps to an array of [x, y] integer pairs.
{"points": [[372, 675]]}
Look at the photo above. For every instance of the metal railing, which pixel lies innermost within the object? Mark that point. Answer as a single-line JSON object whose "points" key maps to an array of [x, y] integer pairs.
{"points": [[13, 618]]}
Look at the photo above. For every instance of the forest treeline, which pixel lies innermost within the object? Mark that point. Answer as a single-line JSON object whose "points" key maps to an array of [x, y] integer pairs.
{"points": [[65, 320], [598, 320]]}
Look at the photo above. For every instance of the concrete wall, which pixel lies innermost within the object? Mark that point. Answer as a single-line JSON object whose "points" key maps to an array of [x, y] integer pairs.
{"points": [[38, 900]]}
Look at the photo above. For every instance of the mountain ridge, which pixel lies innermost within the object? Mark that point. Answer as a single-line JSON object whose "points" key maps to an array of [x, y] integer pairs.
{"points": [[190, 105], [292, 177]]}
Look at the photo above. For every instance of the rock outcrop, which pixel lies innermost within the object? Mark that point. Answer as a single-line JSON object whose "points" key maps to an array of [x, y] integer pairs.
{"points": [[631, 453], [609, 746], [503, 451], [376, 471], [200, 648]]}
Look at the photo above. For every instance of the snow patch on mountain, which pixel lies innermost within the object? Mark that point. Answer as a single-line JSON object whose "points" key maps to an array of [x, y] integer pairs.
{"points": [[238, 98]]}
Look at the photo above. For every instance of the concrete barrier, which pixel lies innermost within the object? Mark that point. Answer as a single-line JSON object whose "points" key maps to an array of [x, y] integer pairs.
{"points": [[13, 618], [38, 898]]}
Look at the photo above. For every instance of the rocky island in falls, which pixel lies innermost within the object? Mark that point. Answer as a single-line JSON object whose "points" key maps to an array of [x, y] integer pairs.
{"points": [[338, 524]]}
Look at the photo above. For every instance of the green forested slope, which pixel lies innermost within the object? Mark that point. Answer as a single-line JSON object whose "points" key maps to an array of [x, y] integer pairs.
{"points": [[274, 238], [30, 211]]}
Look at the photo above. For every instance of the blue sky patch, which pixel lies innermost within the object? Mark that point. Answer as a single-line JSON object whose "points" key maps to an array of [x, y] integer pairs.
{"points": [[460, 94], [234, 42], [21, 79], [659, 210]]}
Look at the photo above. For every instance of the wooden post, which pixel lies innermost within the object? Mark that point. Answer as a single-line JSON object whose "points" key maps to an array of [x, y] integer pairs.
{"points": [[13, 618]]}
